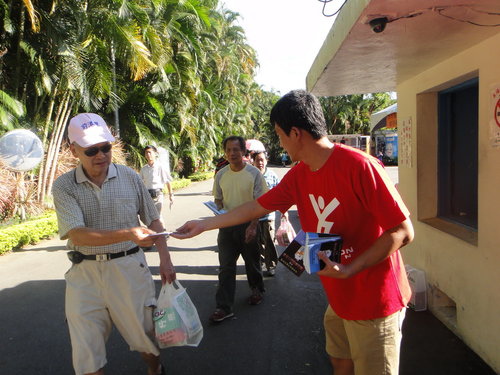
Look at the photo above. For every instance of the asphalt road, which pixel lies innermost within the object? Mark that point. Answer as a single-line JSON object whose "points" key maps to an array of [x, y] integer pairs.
{"points": [[283, 335]]}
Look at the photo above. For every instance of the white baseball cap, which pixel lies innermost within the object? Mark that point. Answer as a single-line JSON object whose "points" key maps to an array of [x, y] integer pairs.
{"points": [[88, 129]]}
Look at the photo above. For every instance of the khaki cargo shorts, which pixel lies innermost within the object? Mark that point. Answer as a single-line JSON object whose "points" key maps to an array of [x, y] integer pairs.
{"points": [[98, 294], [373, 345]]}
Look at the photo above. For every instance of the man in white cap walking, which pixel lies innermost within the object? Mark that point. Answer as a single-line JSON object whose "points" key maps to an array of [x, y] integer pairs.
{"points": [[98, 206]]}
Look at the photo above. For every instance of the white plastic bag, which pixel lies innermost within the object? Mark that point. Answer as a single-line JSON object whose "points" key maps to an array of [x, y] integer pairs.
{"points": [[285, 233], [176, 319]]}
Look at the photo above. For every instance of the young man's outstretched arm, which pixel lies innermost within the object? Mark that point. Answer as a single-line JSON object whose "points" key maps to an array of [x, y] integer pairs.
{"points": [[241, 214]]}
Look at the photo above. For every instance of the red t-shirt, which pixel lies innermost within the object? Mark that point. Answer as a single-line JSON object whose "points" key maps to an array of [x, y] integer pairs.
{"points": [[350, 195]]}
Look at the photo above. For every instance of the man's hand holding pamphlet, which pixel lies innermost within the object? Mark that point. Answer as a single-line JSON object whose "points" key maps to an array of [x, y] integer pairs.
{"points": [[302, 254], [213, 208]]}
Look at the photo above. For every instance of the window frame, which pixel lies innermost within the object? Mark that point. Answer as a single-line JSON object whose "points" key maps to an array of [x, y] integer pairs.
{"points": [[427, 161], [463, 179]]}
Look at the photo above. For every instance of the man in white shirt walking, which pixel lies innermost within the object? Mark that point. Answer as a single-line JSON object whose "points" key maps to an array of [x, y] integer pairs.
{"points": [[156, 176]]}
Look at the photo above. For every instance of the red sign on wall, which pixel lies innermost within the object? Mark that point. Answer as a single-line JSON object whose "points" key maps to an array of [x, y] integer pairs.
{"points": [[391, 121]]}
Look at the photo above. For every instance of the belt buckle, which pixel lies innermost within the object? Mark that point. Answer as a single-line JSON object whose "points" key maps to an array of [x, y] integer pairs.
{"points": [[102, 257]]}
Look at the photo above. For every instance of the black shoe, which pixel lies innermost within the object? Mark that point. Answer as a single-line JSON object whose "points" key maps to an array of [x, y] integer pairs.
{"points": [[219, 315], [256, 297]]}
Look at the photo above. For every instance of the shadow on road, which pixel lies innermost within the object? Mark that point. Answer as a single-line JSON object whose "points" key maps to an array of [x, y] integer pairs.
{"points": [[283, 335], [34, 249]]}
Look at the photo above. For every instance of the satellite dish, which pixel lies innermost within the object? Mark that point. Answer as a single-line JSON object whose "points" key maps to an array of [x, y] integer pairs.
{"points": [[20, 150]]}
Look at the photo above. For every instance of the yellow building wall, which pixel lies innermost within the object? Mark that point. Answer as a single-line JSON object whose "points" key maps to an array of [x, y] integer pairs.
{"points": [[468, 274]]}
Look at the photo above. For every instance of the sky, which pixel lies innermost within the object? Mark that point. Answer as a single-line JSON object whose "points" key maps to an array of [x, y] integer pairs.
{"points": [[287, 35]]}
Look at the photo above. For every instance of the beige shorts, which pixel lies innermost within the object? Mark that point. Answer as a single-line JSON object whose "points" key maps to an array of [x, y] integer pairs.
{"points": [[98, 294], [373, 345]]}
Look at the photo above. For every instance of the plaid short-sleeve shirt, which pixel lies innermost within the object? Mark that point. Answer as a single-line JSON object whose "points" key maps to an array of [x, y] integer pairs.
{"points": [[118, 204]]}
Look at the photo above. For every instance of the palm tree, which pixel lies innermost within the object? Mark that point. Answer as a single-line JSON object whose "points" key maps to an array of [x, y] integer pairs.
{"points": [[350, 114], [10, 111], [175, 73]]}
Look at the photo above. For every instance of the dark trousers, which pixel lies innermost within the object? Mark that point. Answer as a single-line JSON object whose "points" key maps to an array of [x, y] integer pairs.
{"points": [[231, 242], [266, 243]]}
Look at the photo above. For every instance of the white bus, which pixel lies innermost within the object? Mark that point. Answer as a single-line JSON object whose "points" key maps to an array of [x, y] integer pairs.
{"points": [[358, 141]]}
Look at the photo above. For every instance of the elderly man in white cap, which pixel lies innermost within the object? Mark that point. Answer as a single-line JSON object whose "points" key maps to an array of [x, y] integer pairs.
{"points": [[98, 206]]}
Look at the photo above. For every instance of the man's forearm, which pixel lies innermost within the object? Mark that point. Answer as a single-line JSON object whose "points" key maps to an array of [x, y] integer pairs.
{"points": [[253, 223], [218, 203], [169, 188], [389, 242], [161, 242], [98, 237], [167, 270]]}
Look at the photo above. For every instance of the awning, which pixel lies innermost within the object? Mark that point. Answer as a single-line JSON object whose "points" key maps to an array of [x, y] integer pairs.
{"points": [[376, 117]]}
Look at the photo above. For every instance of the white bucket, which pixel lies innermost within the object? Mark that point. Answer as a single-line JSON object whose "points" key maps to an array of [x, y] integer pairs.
{"points": [[418, 285]]}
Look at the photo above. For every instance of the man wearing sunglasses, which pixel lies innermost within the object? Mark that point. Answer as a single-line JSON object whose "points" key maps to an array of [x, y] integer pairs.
{"points": [[98, 207]]}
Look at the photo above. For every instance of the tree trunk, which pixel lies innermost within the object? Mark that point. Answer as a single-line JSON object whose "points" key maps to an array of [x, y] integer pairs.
{"points": [[40, 191], [53, 148], [63, 120], [17, 74]]}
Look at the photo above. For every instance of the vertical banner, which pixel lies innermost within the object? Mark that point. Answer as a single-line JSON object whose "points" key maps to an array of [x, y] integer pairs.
{"points": [[405, 138], [494, 117]]}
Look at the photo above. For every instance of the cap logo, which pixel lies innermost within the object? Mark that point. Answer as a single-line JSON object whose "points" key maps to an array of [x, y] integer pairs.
{"points": [[89, 124]]}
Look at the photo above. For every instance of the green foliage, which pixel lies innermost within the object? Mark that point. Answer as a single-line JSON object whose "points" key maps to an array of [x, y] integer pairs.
{"points": [[350, 114], [10, 111], [261, 106], [180, 183], [201, 176], [177, 74], [29, 232], [184, 182]]}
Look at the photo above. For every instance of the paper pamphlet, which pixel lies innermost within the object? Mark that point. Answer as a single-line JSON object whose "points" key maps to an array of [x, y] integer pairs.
{"points": [[160, 234], [213, 208]]}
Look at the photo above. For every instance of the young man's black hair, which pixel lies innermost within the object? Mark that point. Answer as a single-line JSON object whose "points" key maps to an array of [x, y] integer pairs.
{"points": [[300, 109]]}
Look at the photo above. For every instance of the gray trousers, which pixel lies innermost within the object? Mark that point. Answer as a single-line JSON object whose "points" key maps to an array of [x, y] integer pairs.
{"points": [[231, 242]]}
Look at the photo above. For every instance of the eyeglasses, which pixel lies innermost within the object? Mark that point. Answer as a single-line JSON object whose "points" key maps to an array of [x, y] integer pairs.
{"points": [[93, 151]]}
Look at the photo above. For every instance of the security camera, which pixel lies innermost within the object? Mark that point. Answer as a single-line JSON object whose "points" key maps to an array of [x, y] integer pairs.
{"points": [[378, 24]]}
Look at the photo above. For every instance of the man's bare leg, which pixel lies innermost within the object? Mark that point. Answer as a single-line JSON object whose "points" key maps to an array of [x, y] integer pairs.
{"points": [[342, 366], [100, 372]]}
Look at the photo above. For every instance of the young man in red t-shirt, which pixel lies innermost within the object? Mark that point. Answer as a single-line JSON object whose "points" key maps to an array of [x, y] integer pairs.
{"points": [[343, 191]]}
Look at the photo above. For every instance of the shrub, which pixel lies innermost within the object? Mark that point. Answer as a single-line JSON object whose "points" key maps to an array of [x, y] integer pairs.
{"points": [[32, 231], [28, 232], [201, 176], [184, 182], [180, 183]]}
